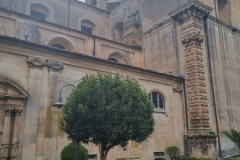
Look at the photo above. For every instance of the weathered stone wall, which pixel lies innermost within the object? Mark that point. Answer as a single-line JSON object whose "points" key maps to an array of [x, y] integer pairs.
{"points": [[48, 34], [42, 71], [235, 5], [160, 48], [224, 57], [58, 11]]}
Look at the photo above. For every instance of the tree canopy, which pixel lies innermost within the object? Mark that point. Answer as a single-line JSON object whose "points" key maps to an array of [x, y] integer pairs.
{"points": [[108, 111]]}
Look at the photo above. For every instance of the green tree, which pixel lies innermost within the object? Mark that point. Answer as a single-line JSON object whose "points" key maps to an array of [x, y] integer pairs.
{"points": [[173, 152], [68, 152], [234, 136], [106, 111]]}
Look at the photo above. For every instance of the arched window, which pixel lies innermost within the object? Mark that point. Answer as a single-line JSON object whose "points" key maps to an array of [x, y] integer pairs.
{"points": [[87, 26], [39, 11], [113, 60], [118, 32], [158, 100], [57, 46]]}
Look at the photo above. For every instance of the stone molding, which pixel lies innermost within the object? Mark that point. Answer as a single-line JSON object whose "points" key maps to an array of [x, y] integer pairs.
{"points": [[191, 7], [4, 151], [40, 63]]}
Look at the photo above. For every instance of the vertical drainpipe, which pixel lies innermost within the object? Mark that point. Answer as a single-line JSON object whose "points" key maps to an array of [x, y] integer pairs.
{"points": [[212, 88], [94, 46], [69, 4]]}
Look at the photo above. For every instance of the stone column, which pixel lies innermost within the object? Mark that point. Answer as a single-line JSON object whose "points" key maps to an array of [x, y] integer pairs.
{"points": [[4, 150], [190, 17], [14, 145]]}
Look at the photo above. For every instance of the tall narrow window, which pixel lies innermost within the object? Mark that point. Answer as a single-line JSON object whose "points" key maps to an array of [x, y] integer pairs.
{"points": [[118, 32], [223, 11], [157, 99]]}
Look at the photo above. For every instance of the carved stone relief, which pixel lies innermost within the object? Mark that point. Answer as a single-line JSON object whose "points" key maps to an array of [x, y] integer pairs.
{"points": [[40, 63], [4, 151]]}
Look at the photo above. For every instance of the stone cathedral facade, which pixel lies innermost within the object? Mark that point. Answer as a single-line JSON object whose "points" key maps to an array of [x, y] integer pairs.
{"points": [[185, 53]]}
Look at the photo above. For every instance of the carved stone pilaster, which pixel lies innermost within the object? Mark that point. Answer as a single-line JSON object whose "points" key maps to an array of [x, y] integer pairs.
{"points": [[190, 16], [36, 62], [4, 151], [56, 66]]}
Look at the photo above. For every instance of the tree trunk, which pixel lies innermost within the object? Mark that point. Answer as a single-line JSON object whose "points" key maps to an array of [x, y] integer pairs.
{"points": [[103, 155], [76, 152]]}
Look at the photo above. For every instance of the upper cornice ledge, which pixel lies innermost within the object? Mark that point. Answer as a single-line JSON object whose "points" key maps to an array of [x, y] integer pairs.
{"points": [[191, 7]]}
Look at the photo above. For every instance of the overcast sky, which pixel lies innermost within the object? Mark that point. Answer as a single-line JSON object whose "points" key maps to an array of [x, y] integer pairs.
{"points": [[82, 0]]}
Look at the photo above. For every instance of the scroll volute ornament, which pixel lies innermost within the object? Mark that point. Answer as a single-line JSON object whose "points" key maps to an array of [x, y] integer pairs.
{"points": [[57, 66], [36, 62]]}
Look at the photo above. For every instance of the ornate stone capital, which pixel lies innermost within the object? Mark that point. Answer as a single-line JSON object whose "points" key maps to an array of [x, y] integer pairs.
{"points": [[4, 151], [194, 38], [190, 8], [56, 66], [177, 88], [36, 62], [8, 111], [17, 111]]}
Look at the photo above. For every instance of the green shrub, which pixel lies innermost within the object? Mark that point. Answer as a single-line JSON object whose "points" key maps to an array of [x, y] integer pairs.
{"points": [[211, 133], [173, 152], [68, 152], [159, 159]]}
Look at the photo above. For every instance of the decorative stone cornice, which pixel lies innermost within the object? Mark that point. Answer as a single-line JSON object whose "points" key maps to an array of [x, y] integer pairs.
{"points": [[194, 38], [191, 7], [56, 66], [36, 62]]}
